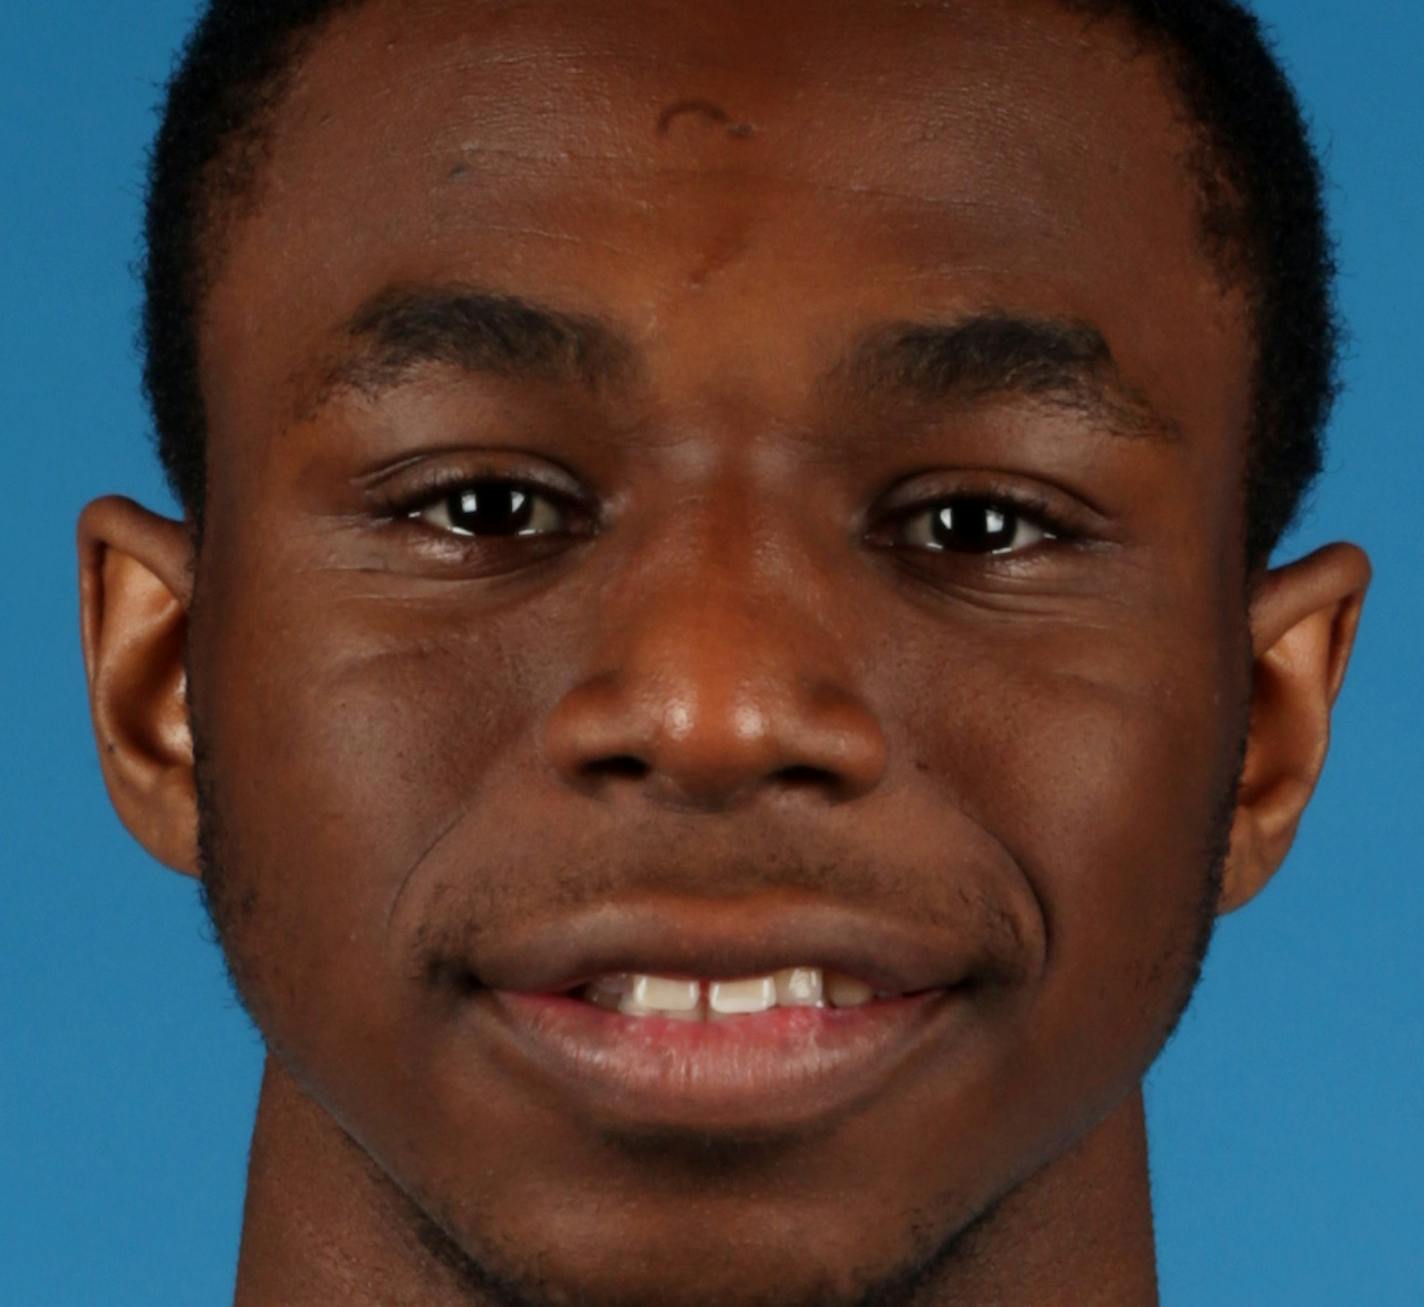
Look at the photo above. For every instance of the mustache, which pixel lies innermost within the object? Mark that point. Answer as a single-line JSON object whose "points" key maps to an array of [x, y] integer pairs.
{"points": [[457, 899]]}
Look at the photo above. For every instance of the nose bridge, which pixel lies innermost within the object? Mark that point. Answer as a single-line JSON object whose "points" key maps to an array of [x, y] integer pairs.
{"points": [[718, 675], [712, 583]]}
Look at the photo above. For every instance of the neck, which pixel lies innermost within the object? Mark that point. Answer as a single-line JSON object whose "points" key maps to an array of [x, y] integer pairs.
{"points": [[322, 1224]]}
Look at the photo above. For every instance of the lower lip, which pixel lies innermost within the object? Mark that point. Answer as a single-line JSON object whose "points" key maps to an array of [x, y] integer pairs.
{"points": [[776, 1069]]}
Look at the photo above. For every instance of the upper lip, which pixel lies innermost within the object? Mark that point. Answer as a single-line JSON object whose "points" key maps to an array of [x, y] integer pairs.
{"points": [[724, 939]]}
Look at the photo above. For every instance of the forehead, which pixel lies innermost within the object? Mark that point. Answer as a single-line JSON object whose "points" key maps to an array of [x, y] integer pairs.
{"points": [[711, 176]]}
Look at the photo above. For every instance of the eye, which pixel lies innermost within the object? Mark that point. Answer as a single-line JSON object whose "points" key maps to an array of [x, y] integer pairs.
{"points": [[969, 525], [492, 508]]}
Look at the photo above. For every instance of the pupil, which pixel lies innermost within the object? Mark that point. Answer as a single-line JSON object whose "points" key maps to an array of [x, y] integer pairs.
{"points": [[490, 508], [974, 526]]}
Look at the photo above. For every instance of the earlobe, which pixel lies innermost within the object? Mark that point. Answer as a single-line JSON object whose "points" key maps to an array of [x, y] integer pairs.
{"points": [[1303, 622], [135, 582]]}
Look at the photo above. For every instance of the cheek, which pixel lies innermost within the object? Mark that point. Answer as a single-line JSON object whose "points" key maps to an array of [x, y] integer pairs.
{"points": [[341, 755], [1099, 768]]}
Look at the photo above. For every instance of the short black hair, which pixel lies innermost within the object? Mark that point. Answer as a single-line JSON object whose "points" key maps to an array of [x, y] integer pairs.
{"points": [[1262, 218]]}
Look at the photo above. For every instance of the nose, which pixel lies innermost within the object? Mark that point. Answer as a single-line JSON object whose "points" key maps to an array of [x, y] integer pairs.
{"points": [[709, 692]]}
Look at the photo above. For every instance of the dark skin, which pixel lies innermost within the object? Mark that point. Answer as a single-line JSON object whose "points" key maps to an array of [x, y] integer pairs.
{"points": [[725, 673]]}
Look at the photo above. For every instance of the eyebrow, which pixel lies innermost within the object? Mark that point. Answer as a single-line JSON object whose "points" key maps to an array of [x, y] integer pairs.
{"points": [[1060, 361], [403, 328]]}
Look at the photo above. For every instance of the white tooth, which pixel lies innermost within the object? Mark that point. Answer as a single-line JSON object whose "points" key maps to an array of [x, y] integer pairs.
{"points": [[798, 987], [664, 994], [730, 997], [847, 991]]}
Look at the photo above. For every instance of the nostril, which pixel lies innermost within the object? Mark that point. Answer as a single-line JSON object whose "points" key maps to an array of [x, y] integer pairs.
{"points": [[621, 765], [802, 775]]}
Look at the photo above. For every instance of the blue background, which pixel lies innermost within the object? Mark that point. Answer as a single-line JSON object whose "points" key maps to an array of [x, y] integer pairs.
{"points": [[1286, 1114]]}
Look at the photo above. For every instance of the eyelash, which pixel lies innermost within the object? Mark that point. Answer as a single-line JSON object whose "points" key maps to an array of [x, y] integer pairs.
{"points": [[1024, 509]]}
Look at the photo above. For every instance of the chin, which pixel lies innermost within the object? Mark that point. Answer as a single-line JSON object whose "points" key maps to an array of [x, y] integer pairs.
{"points": [[694, 1255]]}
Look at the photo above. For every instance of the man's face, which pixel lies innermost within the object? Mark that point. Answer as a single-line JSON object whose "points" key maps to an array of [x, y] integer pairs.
{"points": [[869, 612]]}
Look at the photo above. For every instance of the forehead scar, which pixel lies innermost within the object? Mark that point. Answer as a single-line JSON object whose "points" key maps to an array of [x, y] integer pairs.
{"points": [[713, 113]]}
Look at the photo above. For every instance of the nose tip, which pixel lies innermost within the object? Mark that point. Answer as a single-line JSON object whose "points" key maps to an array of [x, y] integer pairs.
{"points": [[691, 749]]}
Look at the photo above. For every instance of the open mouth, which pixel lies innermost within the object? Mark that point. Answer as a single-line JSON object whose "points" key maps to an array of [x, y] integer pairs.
{"points": [[757, 1014]]}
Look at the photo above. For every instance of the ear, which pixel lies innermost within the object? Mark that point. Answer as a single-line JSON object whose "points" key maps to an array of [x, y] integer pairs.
{"points": [[135, 587], [1303, 622]]}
